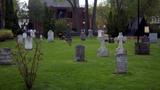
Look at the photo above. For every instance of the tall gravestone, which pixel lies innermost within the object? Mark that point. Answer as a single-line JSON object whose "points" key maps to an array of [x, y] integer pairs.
{"points": [[102, 51], [83, 36], [41, 37], [121, 56], [80, 53], [5, 56], [50, 36], [28, 42]]}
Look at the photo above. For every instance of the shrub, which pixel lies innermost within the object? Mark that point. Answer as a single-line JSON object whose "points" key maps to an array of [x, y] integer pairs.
{"points": [[27, 62], [60, 25], [5, 34]]}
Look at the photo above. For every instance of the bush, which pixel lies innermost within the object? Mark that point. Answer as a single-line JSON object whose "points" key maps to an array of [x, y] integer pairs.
{"points": [[5, 34], [60, 26]]}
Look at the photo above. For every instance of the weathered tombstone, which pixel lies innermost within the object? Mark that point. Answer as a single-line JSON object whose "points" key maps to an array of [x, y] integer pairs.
{"points": [[121, 56], [5, 56], [90, 33], [20, 39], [80, 53], [50, 36], [24, 35], [83, 36], [41, 37], [28, 42], [68, 37], [143, 47], [102, 51], [32, 32], [153, 37]]}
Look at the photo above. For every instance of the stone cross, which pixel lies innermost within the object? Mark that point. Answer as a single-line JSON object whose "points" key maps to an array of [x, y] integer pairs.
{"points": [[120, 40], [121, 56], [102, 51]]}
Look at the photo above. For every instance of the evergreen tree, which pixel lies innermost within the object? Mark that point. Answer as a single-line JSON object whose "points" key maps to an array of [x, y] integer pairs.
{"points": [[36, 14], [9, 14], [48, 20]]}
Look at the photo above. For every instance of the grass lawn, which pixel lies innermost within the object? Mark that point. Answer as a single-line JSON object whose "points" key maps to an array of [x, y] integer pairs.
{"points": [[59, 70]]}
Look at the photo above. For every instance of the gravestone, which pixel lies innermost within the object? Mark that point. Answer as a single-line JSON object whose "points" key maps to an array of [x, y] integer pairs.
{"points": [[121, 56], [68, 37], [83, 36], [28, 42], [102, 51], [153, 37], [32, 32], [5, 56], [50, 36], [143, 47], [80, 53], [145, 39], [41, 37], [90, 33], [20, 39]]}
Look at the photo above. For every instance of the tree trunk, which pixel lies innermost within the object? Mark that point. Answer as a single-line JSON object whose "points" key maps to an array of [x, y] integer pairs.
{"points": [[87, 16], [94, 16]]}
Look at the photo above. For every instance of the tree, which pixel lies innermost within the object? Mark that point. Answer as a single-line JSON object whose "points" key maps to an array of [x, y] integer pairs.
{"points": [[36, 14], [9, 13], [48, 20], [74, 5], [27, 62], [94, 15], [86, 16]]}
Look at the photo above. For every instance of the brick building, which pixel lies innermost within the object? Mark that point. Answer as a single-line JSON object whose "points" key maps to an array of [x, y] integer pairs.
{"points": [[63, 10]]}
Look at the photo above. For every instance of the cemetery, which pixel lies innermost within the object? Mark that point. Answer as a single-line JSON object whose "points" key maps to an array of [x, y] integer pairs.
{"points": [[79, 45]]}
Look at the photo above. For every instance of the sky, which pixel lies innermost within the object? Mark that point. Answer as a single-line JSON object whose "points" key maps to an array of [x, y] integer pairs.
{"points": [[81, 2]]}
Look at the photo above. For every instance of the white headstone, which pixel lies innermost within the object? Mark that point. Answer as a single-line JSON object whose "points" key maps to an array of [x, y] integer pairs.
{"points": [[41, 37], [20, 39], [28, 43], [50, 35], [32, 32], [100, 33], [24, 35]]}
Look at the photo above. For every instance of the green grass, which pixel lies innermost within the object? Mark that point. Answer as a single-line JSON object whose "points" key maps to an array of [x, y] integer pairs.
{"points": [[59, 70]]}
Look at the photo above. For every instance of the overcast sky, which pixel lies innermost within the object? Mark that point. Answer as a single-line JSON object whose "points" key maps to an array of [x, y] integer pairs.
{"points": [[82, 2]]}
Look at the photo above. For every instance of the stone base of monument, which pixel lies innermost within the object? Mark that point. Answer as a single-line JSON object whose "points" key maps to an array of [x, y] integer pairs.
{"points": [[80, 53], [5, 56], [102, 52], [142, 48], [121, 61]]}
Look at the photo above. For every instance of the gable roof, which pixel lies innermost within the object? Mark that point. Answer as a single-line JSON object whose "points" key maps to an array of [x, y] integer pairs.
{"points": [[58, 3]]}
